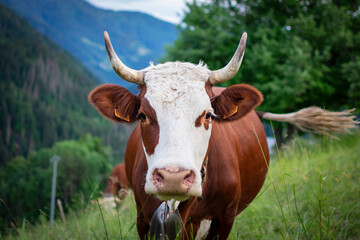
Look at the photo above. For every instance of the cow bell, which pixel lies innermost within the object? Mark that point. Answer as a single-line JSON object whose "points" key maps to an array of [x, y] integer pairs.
{"points": [[165, 223]]}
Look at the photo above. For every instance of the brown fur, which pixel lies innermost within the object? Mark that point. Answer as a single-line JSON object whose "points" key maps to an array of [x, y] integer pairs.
{"points": [[236, 170], [233, 149], [237, 156], [236, 101], [108, 97]]}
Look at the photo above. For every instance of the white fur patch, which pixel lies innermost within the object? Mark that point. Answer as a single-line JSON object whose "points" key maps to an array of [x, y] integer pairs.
{"points": [[177, 93], [203, 230]]}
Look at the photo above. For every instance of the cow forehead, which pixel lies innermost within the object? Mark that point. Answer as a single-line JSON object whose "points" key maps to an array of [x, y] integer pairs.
{"points": [[177, 85]]}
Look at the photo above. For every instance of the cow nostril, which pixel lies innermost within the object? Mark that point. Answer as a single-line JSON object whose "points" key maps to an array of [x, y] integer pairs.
{"points": [[158, 177], [189, 179]]}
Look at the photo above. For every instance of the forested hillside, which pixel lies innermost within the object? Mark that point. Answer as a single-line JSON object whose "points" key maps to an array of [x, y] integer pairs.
{"points": [[43, 93], [78, 27]]}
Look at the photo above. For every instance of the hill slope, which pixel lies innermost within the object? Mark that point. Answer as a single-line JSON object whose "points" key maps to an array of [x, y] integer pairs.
{"points": [[43, 93], [78, 27]]}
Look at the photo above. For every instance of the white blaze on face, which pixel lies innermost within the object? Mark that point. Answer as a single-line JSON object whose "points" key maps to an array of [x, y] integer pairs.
{"points": [[177, 93]]}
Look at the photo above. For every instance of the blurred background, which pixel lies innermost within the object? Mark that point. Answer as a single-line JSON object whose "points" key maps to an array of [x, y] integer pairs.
{"points": [[299, 54]]}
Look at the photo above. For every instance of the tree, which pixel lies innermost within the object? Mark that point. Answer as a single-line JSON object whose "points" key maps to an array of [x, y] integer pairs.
{"points": [[25, 184], [298, 54]]}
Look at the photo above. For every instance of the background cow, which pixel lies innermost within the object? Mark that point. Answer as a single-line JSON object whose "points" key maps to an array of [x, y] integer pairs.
{"points": [[117, 183], [195, 141]]}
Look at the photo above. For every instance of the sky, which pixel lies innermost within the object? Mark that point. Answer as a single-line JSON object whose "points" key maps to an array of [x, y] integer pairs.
{"points": [[168, 10]]}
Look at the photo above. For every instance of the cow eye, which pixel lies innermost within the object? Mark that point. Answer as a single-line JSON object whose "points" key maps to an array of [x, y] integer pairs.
{"points": [[208, 115], [142, 117]]}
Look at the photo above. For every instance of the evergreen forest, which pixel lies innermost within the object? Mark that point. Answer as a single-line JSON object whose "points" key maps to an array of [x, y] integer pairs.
{"points": [[43, 104]]}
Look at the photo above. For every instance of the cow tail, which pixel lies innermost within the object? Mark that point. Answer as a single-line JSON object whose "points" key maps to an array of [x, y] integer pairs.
{"points": [[316, 120]]}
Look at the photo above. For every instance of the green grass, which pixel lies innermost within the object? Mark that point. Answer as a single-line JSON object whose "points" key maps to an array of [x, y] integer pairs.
{"points": [[311, 192], [86, 224]]}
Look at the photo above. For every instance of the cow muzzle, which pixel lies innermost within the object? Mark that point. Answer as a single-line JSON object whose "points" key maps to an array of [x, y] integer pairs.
{"points": [[173, 183]]}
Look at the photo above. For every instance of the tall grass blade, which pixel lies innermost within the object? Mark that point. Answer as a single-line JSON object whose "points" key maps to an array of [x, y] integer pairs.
{"points": [[283, 180], [272, 179], [321, 179], [262, 192], [98, 204], [132, 226], [298, 214], [92, 230]]}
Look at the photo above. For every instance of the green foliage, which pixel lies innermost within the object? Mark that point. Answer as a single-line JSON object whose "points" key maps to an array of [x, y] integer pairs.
{"points": [[25, 185], [312, 180], [299, 53], [352, 70]]}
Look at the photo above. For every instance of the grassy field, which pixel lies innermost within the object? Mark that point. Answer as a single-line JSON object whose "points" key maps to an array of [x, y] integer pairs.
{"points": [[312, 191]]}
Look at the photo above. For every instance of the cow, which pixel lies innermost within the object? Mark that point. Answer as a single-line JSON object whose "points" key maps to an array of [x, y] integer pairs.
{"points": [[117, 183], [200, 148]]}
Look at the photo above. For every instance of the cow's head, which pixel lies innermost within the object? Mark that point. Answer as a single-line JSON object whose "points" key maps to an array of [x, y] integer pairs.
{"points": [[176, 109]]}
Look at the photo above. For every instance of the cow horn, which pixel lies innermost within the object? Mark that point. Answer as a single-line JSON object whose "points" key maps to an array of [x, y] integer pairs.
{"points": [[121, 69], [229, 71]]}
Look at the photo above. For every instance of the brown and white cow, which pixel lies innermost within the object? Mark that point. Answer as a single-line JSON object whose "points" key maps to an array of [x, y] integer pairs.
{"points": [[117, 183], [186, 127]]}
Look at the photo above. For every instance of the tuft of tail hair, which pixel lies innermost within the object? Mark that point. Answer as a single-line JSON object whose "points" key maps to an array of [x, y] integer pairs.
{"points": [[317, 120]]}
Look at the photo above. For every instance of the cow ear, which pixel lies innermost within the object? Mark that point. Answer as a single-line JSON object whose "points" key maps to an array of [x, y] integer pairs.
{"points": [[115, 103], [236, 101]]}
